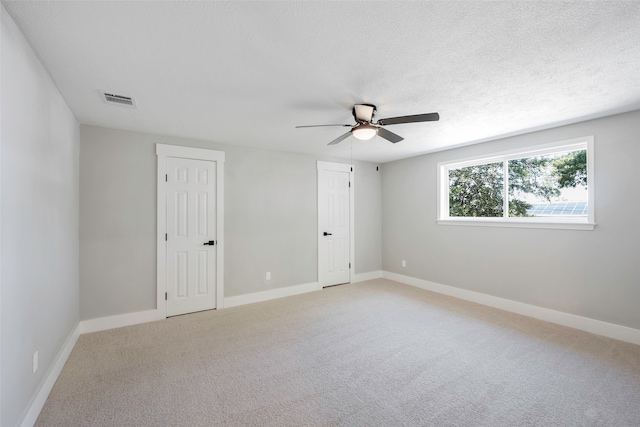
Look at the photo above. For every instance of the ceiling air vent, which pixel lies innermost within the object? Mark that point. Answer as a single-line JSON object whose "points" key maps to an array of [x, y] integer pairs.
{"points": [[124, 101]]}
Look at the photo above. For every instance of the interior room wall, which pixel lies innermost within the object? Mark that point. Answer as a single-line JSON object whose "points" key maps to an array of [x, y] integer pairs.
{"points": [[593, 274], [39, 213], [270, 219], [368, 217]]}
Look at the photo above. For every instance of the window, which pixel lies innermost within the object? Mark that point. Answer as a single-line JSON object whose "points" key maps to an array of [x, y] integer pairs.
{"points": [[548, 186]]}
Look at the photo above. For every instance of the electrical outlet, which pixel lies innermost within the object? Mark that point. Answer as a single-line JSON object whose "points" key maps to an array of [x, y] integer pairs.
{"points": [[35, 362], [404, 264], [267, 276]]}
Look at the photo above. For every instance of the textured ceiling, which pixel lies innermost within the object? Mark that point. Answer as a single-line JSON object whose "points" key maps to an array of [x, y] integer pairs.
{"points": [[246, 73]]}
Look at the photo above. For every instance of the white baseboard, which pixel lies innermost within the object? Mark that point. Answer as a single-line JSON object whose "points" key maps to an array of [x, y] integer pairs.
{"points": [[270, 294], [119, 320], [611, 330], [367, 276], [41, 396], [129, 319]]}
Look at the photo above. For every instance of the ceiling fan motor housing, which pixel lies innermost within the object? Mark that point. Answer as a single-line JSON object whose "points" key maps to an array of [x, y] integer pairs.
{"points": [[363, 113]]}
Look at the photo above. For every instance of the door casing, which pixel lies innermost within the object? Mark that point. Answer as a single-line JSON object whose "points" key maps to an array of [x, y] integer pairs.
{"points": [[163, 151]]}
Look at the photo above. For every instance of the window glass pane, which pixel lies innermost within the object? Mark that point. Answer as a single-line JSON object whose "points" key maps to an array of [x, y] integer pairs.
{"points": [[550, 185], [476, 191]]}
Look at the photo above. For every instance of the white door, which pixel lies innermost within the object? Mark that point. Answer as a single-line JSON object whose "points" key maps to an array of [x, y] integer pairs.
{"points": [[191, 235], [333, 227]]}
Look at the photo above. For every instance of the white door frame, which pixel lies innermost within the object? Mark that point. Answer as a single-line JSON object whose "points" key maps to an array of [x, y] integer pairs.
{"points": [[163, 151], [339, 167]]}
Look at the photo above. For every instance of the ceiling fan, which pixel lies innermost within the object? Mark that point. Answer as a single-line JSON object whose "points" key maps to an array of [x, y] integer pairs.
{"points": [[365, 128]]}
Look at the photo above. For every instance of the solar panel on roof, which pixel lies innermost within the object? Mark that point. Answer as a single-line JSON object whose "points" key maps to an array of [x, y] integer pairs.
{"points": [[558, 209]]}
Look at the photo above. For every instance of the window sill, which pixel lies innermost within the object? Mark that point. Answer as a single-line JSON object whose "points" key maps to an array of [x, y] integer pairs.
{"points": [[518, 223]]}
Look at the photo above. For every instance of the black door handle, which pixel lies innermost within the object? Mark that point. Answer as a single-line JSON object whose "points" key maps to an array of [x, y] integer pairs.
{"points": [[210, 242], [327, 234]]}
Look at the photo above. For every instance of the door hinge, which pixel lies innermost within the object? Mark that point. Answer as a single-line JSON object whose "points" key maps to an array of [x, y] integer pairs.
{"points": [[166, 237], [166, 178], [352, 169], [349, 265], [165, 296], [349, 183]]}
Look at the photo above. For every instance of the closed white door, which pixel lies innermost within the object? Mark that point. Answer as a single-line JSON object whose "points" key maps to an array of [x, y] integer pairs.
{"points": [[191, 235], [333, 227]]}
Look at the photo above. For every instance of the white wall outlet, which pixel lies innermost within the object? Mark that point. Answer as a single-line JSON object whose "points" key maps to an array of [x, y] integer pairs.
{"points": [[267, 276], [404, 264], [35, 362]]}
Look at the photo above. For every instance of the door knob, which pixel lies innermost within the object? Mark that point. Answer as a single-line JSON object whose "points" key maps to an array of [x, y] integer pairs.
{"points": [[327, 234], [210, 242]]}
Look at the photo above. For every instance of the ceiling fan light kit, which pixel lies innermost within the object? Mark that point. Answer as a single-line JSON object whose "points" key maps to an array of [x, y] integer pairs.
{"points": [[365, 128], [364, 132]]}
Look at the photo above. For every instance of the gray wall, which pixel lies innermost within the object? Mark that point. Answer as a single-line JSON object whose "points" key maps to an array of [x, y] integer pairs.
{"points": [[368, 217], [588, 273], [39, 175], [270, 219]]}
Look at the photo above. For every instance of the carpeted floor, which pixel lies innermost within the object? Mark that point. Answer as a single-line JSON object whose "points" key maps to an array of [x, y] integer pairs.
{"points": [[375, 353]]}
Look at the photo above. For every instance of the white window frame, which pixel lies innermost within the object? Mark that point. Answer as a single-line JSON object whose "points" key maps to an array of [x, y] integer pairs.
{"points": [[557, 222]]}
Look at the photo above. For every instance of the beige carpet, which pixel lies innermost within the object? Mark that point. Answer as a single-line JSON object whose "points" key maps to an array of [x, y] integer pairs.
{"points": [[376, 353]]}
